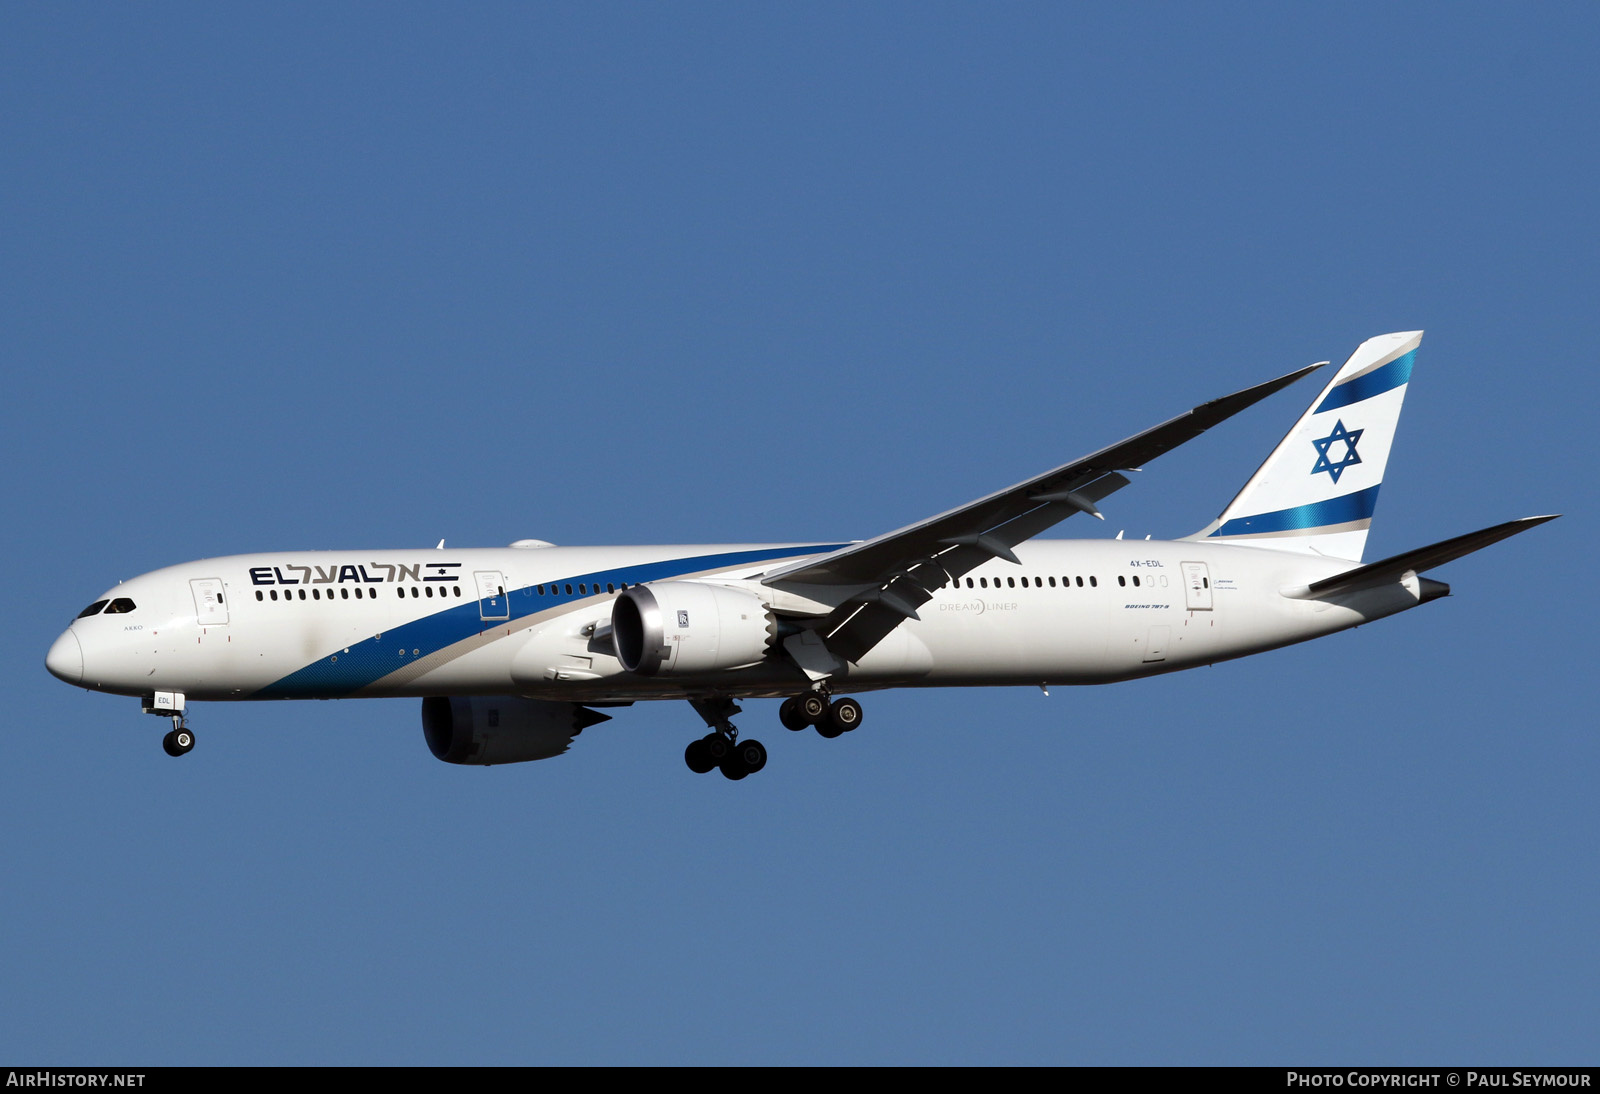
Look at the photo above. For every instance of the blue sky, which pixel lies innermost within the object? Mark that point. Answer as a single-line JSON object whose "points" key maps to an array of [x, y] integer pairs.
{"points": [[367, 276]]}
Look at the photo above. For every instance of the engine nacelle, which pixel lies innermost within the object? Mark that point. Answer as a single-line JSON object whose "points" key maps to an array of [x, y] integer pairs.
{"points": [[680, 627], [501, 729]]}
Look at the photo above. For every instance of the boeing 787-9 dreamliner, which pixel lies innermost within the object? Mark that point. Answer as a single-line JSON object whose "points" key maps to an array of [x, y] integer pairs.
{"points": [[514, 651]]}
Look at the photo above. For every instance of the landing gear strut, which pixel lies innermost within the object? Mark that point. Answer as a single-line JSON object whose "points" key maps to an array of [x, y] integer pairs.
{"points": [[721, 748]]}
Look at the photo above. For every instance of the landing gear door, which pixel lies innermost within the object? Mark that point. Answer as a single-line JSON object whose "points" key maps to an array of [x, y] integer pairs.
{"points": [[492, 600], [210, 608], [1196, 587]]}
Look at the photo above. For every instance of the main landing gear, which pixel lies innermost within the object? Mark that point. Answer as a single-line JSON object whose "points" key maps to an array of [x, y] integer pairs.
{"points": [[813, 709], [721, 748]]}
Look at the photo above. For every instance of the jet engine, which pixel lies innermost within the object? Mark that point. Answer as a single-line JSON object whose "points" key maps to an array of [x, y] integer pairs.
{"points": [[501, 729], [674, 628]]}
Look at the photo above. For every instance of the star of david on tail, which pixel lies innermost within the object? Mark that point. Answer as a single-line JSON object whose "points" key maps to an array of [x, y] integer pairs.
{"points": [[1340, 433]]}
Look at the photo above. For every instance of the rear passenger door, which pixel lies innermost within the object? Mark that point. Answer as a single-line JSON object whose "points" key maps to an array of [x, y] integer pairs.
{"points": [[1196, 586]]}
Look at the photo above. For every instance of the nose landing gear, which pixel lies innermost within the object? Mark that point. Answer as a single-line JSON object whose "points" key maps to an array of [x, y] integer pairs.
{"points": [[179, 741], [170, 704]]}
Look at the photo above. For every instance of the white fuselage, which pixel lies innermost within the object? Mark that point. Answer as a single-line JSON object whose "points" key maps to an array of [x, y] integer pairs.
{"points": [[535, 621]]}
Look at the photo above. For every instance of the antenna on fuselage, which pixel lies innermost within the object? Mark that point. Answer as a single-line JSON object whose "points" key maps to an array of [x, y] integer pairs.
{"points": [[440, 547]]}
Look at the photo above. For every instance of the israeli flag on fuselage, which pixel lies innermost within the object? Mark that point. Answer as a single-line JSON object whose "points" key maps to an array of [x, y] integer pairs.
{"points": [[1317, 491]]}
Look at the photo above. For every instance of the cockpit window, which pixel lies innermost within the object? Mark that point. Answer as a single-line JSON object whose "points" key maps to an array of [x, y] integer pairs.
{"points": [[92, 609], [120, 606]]}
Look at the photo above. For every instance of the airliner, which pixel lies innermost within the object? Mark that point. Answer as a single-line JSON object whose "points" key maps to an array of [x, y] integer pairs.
{"points": [[515, 651]]}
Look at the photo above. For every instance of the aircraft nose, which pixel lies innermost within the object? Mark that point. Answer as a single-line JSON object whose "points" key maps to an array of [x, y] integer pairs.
{"points": [[65, 659]]}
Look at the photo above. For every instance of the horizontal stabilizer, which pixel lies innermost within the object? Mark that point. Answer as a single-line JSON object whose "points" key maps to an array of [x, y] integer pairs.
{"points": [[1416, 561]]}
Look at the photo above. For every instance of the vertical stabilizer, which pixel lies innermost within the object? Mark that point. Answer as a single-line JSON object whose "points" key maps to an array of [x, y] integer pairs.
{"points": [[1317, 491]]}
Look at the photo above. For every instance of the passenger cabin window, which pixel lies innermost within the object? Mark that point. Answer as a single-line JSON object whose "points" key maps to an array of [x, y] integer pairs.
{"points": [[93, 609]]}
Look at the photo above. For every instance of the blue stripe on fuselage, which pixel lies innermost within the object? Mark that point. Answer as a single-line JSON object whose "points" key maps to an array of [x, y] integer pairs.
{"points": [[349, 670]]}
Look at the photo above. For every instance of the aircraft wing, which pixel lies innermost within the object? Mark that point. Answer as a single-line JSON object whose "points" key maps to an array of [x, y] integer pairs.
{"points": [[906, 566]]}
